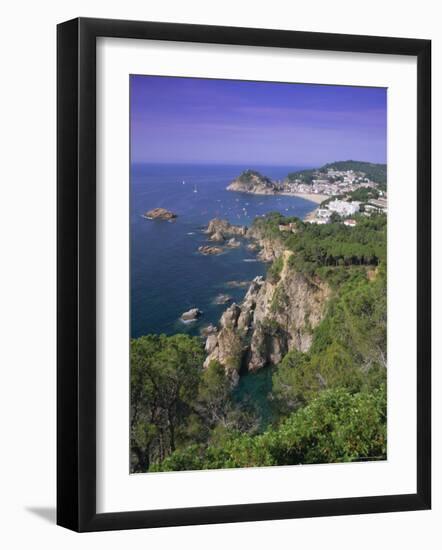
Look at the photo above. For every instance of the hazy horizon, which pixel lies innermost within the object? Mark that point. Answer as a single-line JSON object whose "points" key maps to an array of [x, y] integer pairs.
{"points": [[177, 120], [250, 165]]}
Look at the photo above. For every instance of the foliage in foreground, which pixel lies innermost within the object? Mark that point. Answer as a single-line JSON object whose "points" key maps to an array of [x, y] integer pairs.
{"points": [[165, 373], [335, 427]]}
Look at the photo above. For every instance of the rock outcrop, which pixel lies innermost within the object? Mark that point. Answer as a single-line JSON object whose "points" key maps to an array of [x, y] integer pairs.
{"points": [[252, 181], [275, 317], [237, 284], [219, 230], [160, 214], [210, 250], [222, 299], [191, 314], [227, 346], [208, 330], [222, 231], [233, 243], [269, 248]]}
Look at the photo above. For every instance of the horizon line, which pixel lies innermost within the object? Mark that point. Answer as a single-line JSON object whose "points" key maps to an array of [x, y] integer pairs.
{"points": [[227, 163]]}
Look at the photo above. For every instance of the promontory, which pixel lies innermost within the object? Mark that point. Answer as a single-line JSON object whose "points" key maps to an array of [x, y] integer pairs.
{"points": [[252, 181]]}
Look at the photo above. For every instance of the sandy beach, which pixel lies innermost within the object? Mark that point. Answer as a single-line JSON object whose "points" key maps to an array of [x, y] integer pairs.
{"points": [[309, 196]]}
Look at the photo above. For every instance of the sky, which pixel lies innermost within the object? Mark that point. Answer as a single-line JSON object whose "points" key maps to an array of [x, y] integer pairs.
{"points": [[191, 120]]}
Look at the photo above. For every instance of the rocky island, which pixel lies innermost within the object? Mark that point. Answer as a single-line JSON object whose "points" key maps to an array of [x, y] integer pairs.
{"points": [[191, 315], [224, 233], [207, 250], [160, 214]]}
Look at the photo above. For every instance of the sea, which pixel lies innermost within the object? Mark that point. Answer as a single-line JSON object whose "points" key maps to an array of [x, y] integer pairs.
{"points": [[168, 274]]}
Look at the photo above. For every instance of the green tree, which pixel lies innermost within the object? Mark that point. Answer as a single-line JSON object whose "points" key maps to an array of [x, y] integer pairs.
{"points": [[300, 377], [164, 381], [286, 392], [214, 395]]}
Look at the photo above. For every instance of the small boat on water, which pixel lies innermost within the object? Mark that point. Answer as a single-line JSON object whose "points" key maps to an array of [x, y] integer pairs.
{"points": [[195, 190], [184, 183]]}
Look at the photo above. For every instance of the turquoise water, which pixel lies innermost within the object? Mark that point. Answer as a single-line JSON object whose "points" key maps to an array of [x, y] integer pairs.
{"points": [[168, 275], [253, 390]]}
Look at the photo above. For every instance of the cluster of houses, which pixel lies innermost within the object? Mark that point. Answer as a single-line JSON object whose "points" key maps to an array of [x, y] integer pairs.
{"points": [[344, 209], [336, 183], [347, 209], [332, 182]]}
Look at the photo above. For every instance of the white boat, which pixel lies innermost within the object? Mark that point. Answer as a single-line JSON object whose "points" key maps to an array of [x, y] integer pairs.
{"points": [[195, 190]]}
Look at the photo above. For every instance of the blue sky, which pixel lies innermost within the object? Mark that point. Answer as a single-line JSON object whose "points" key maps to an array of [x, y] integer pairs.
{"points": [[190, 120]]}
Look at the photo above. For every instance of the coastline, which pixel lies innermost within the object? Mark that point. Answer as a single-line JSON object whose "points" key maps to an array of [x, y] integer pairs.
{"points": [[171, 250]]}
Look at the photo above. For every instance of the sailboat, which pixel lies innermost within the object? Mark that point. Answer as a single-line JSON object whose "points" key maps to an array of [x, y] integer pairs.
{"points": [[195, 190], [184, 183]]}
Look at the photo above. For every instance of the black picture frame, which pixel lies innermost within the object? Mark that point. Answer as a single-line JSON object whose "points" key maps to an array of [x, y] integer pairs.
{"points": [[76, 274]]}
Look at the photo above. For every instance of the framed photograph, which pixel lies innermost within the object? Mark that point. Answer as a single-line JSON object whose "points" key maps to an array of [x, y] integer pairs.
{"points": [[243, 274]]}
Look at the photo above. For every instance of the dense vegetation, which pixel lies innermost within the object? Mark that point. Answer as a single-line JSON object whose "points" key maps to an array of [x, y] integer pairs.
{"points": [[317, 246], [327, 405], [248, 176], [363, 194], [375, 172], [337, 426], [174, 402], [306, 176]]}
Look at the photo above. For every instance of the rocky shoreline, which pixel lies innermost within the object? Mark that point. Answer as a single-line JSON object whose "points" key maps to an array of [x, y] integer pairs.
{"points": [[274, 317]]}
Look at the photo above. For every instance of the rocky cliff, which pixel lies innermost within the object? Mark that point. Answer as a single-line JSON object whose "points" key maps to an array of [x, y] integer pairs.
{"points": [[278, 314], [269, 248]]}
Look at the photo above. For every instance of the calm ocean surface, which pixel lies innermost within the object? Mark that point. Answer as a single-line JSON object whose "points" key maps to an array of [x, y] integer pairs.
{"points": [[168, 275]]}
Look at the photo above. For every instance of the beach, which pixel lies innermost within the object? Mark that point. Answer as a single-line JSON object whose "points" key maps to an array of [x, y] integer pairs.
{"points": [[313, 197]]}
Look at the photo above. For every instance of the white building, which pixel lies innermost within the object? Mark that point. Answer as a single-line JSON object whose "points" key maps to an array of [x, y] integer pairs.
{"points": [[323, 213], [318, 221], [344, 208], [351, 223]]}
